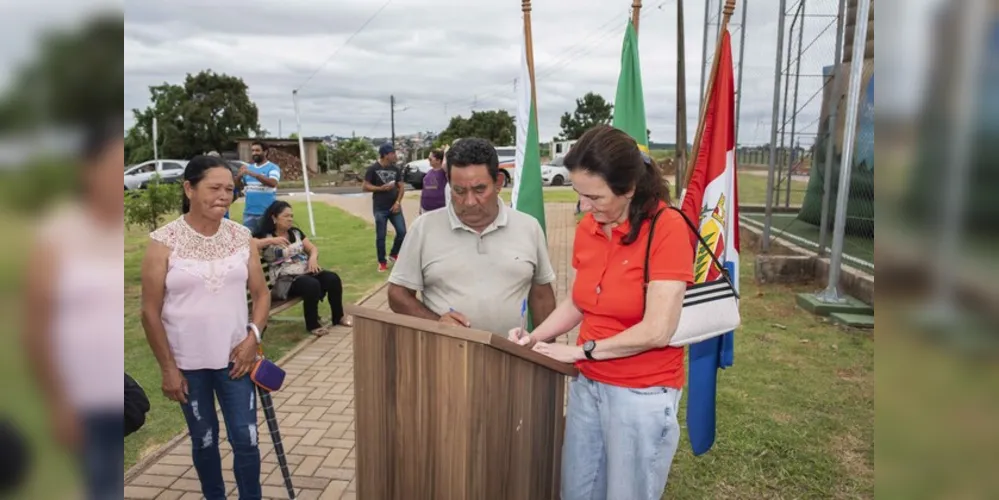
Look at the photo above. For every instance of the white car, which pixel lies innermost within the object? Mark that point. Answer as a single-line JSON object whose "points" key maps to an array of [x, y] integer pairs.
{"points": [[137, 176], [554, 173]]}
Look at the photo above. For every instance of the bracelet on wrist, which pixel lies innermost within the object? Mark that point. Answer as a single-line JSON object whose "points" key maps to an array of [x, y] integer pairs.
{"points": [[255, 331]]}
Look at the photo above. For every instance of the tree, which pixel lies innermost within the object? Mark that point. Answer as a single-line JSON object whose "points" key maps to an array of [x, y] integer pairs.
{"points": [[591, 110], [75, 78], [204, 114], [496, 127], [356, 152]]}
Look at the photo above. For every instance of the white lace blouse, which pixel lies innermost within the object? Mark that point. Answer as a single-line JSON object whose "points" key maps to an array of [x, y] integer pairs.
{"points": [[204, 305]]}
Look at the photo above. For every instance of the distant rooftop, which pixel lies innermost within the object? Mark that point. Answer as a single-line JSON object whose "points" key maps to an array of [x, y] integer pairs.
{"points": [[275, 140]]}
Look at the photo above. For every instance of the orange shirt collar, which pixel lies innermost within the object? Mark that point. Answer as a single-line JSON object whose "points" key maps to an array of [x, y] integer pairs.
{"points": [[621, 229]]}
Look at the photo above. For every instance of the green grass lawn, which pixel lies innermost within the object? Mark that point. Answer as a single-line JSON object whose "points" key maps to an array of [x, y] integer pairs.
{"points": [[753, 190], [346, 247], [552, 195], [860, 247], [795, 412]]}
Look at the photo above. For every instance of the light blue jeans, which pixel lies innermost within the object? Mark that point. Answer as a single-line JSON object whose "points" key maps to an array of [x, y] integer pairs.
{"points": [[251, 221], [619, 442]]}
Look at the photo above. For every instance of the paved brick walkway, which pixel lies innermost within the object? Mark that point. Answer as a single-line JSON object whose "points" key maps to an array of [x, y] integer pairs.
{"points": [[315, 407]]}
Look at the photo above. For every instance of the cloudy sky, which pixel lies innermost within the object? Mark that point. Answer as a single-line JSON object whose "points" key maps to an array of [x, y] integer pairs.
{"points": [[443, 57]]}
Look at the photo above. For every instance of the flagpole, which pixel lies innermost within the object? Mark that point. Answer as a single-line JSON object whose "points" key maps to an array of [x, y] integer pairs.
{"points": [[680, 160], [636, 13], [728, 11], [525, 6], [305, 168]]}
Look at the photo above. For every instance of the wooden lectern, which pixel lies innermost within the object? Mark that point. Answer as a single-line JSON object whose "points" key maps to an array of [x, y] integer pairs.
{"points": [[448, 413]]}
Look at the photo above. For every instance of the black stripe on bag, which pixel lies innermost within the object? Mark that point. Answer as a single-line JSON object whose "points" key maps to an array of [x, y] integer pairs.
{"points": [[715, 288], [706, 300], [700, 296], [707, 284]]}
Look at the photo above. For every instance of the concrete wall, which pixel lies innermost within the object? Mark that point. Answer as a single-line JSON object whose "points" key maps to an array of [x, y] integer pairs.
{"points": [[790, 263]]}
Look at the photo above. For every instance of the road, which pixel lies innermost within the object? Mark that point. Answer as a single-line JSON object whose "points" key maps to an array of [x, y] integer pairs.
{"points": [[325, 190]]}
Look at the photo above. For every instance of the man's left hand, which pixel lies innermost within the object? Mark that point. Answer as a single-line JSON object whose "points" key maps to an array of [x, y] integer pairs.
{"points": [[560, 352], [396, 208]]}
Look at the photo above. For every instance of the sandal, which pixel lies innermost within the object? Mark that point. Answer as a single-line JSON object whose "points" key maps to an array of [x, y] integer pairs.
{"points": [[320, 332], [346, 321]]}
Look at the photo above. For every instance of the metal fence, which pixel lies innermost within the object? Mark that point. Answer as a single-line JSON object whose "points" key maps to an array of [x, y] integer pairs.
{"points": [[824, 101], [810, 133]]}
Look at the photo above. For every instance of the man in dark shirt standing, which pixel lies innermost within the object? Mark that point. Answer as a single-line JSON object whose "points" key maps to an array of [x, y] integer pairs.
{"points": [[384, 180]]}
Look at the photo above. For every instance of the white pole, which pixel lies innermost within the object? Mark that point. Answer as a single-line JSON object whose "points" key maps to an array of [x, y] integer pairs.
{"points": [[973, 42], [156, 148], [305, 168], [774, 120], [831, 293]]}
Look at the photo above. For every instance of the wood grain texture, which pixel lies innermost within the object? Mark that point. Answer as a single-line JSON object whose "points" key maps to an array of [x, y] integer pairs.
{"points": [[443, 417], [468, 334]]}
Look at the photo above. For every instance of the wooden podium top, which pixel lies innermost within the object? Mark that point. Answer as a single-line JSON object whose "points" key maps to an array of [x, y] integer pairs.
{"points": [[467, 334]]}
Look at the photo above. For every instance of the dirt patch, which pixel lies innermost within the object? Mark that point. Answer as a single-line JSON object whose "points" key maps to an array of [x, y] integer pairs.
{"points": [[781, 418], [852, 375], [852, 454]]}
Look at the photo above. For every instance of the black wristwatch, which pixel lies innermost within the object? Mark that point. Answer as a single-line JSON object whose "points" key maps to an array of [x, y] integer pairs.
{"points": [[588, 347]]}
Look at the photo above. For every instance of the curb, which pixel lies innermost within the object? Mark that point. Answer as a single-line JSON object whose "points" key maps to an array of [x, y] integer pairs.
{"points": [[164, 449]]}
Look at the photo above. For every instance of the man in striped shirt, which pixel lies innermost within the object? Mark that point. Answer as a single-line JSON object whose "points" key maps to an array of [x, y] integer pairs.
{"points": [[260, 181]]}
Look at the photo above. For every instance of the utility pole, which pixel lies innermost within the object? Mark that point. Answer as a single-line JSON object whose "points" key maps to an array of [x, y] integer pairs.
{"points": [[280, 133], [392, 101]]}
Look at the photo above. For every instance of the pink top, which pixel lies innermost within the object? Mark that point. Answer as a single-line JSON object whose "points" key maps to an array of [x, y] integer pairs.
{"points": [[204, 307], [86, 330]]}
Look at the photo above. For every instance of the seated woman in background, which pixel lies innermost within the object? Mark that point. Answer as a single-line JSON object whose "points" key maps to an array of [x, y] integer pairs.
{"points": [[294, 267]]}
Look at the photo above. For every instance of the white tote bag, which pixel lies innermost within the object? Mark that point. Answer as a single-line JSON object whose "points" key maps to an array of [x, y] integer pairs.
{"points": [[710, 309]]}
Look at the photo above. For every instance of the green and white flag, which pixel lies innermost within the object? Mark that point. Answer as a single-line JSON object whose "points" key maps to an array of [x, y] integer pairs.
{"points": [[629, 103], [527, 196]]}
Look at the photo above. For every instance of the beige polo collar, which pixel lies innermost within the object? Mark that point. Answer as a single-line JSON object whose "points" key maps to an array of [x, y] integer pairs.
{"points": [[501, 219]]}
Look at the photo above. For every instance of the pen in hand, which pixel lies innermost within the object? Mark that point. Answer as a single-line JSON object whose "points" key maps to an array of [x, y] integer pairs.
{"points": [[523, 318]]}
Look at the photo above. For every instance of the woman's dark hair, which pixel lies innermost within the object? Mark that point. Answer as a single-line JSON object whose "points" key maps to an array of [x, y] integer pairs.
{"points": [[437, 153], [473, 151], [98, 136], [265, 224], [195, 171], [614, 156]]}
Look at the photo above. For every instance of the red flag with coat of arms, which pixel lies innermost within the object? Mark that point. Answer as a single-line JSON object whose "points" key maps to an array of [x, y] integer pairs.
{"points": [[711, 200]]}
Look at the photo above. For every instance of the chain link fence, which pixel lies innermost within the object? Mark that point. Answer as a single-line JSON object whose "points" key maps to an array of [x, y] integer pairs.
{"points": [[812, 80]]}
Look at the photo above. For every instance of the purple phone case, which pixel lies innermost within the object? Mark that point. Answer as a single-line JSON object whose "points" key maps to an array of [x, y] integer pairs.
{"points": [[268, 375]]}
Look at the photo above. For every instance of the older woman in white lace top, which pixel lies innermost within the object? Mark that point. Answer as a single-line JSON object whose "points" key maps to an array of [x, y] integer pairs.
{"points": [[194, 280]]}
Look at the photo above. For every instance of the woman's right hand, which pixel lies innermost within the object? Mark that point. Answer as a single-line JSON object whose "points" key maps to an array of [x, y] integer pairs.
{"points": [[521, 337], [280, 241], [175, 385]]}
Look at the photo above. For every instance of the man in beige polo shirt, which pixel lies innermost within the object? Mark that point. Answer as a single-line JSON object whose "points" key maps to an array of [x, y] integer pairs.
{"points": [[475, 261]]}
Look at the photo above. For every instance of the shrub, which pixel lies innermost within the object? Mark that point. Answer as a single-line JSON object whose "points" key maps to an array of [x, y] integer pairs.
{"points": [[148, 207]]}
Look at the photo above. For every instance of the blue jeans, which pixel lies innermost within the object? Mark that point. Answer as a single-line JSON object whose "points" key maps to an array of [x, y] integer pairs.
{"points": [[251, 221], [382, 218], [102, 453], [239, 409], [619, 442]]}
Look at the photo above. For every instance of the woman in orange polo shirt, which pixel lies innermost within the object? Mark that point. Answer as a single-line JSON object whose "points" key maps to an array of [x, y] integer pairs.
{"points": [[621, 429]]}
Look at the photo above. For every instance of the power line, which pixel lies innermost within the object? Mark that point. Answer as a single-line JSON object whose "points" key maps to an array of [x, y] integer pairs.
{"points": [[337, 51], [576, 51], [573, 53]]}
